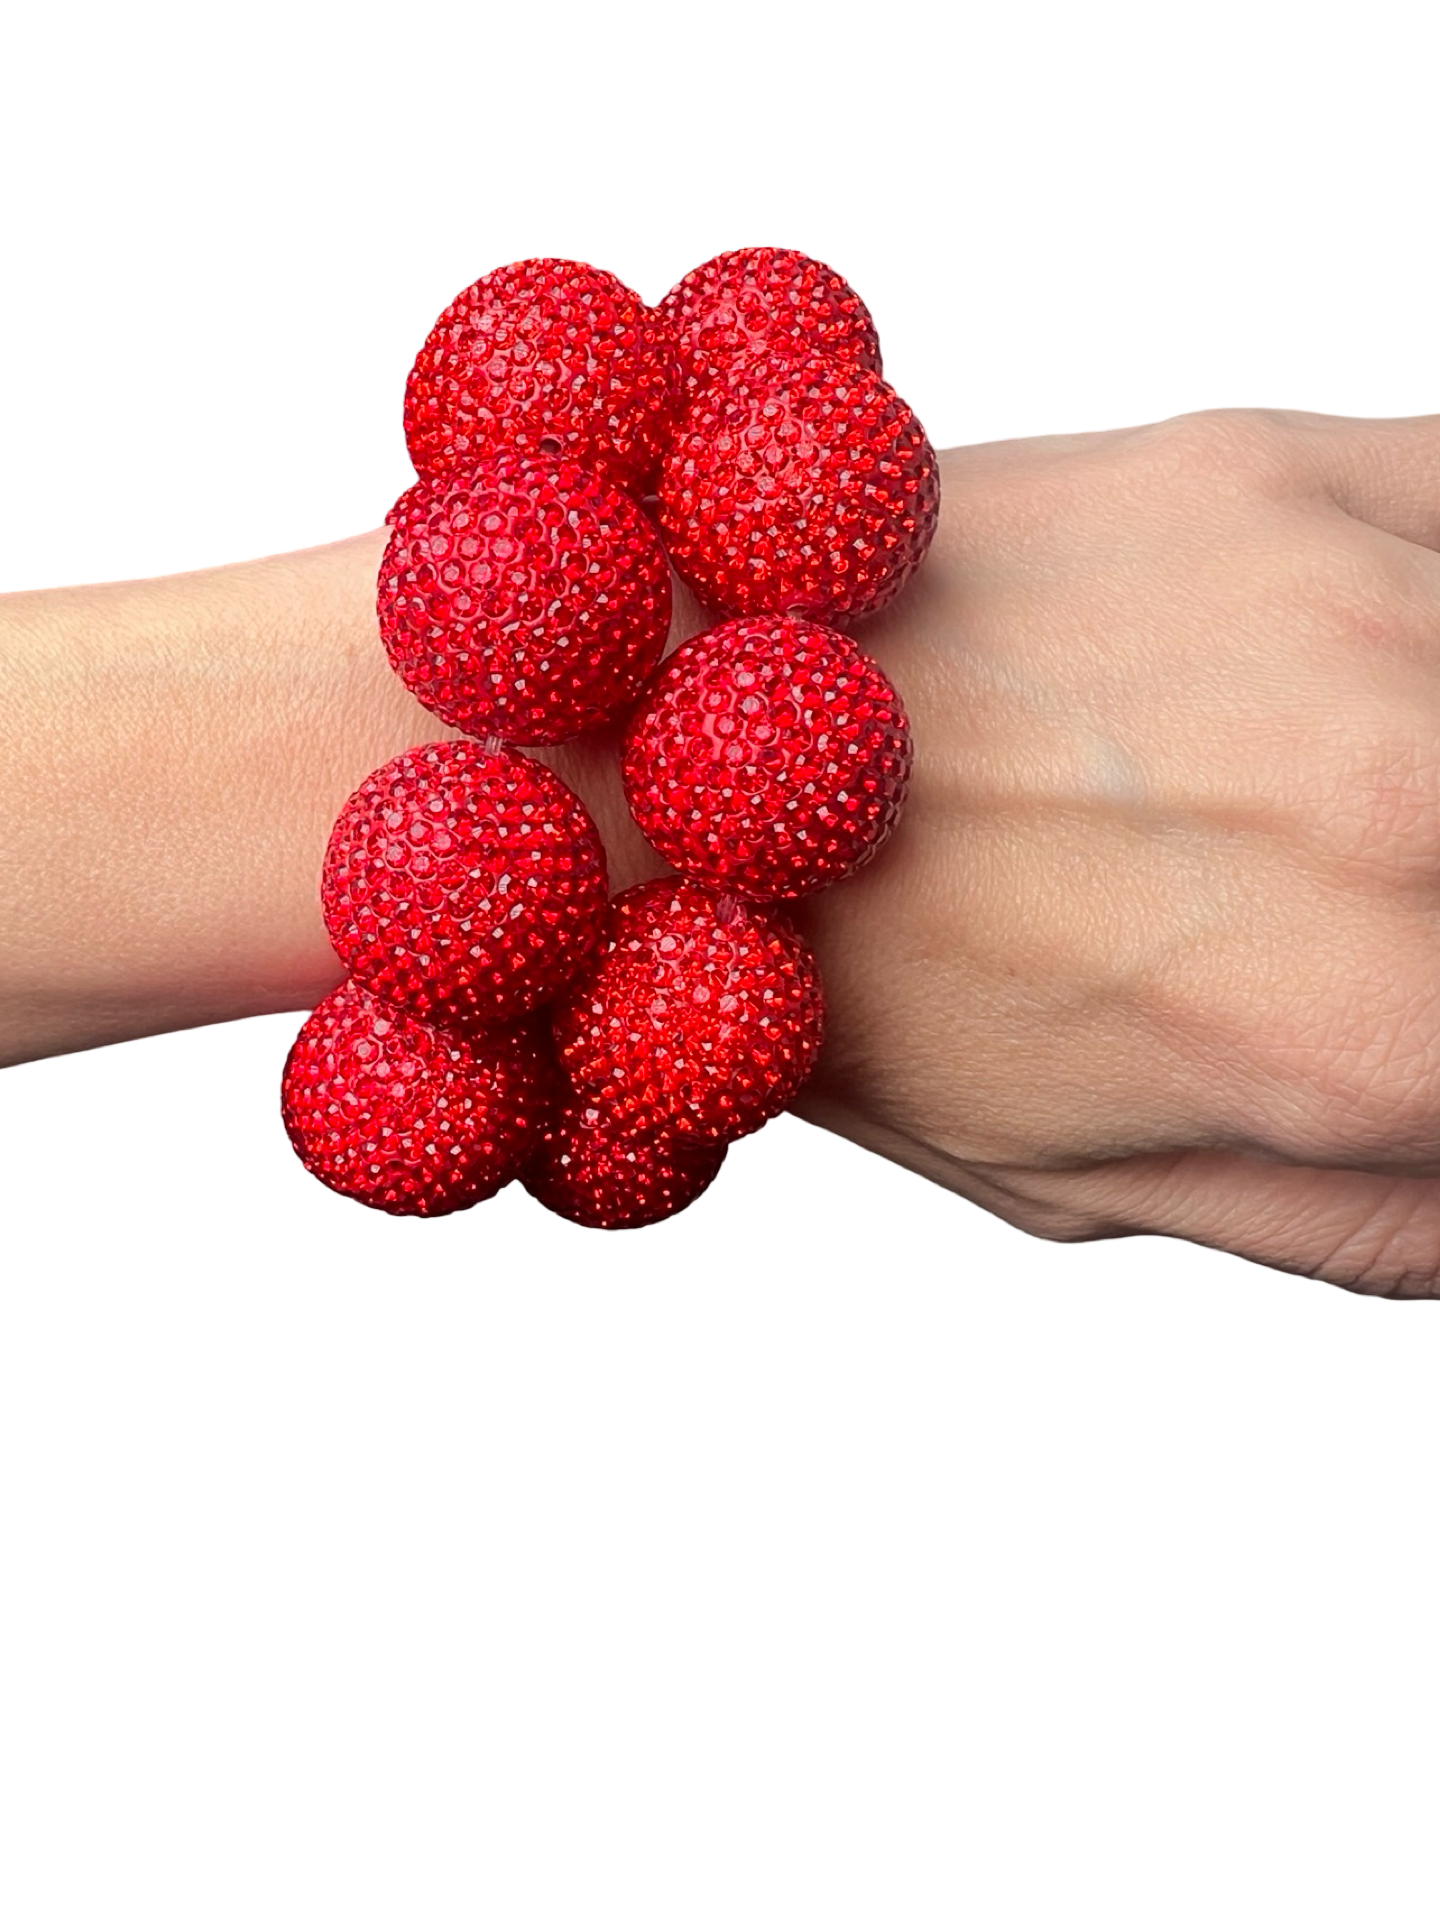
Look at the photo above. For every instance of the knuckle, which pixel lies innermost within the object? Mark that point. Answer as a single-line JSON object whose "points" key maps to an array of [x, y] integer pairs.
{"points": [[1227, 442]]}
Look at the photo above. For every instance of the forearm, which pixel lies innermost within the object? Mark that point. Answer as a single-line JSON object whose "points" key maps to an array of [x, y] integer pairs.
{"points": [[175, 752]]}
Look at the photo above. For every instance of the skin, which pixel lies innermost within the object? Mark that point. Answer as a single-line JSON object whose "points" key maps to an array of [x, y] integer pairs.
{"points": [[1153, 950]]}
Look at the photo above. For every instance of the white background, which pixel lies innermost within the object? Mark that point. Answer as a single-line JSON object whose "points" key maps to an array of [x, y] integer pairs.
{"points": [[834, 1549]]}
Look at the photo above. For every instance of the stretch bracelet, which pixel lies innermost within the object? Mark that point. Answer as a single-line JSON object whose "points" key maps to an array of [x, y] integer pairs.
{"points": [[502, 1017]]}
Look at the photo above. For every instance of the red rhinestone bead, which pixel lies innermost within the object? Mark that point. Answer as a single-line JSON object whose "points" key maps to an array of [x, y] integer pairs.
{"points": [[762, 299], [798, 487], [769, 756], [468, 885], [409, 501], [551, 355], [409, 1117], [600, 1174], [701, 1013], [523, 599]]}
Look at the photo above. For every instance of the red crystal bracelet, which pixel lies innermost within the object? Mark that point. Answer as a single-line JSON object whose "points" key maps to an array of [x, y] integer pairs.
{"points": [[502, 1018]]}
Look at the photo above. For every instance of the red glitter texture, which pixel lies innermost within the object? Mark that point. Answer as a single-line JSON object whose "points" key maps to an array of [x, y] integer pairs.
{"points": [[769, 756], [599, 1174], [701, 1013], [408, 1117], [552, 355], [523, 598], [468, 885], [408, 503], [759, 299], [798, 487]]}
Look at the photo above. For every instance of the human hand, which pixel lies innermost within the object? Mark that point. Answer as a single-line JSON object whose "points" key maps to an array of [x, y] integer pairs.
{"points": [[1155, 948]]}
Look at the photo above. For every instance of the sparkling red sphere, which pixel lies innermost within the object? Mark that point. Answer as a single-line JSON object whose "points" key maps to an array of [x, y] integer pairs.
{"points": [[554, 356], [765, 299], [501, 1019], [602, 1174], [406, 1116], [468, 885], [769, 756], [701, 1013], [798, 487], [523, 598]]}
